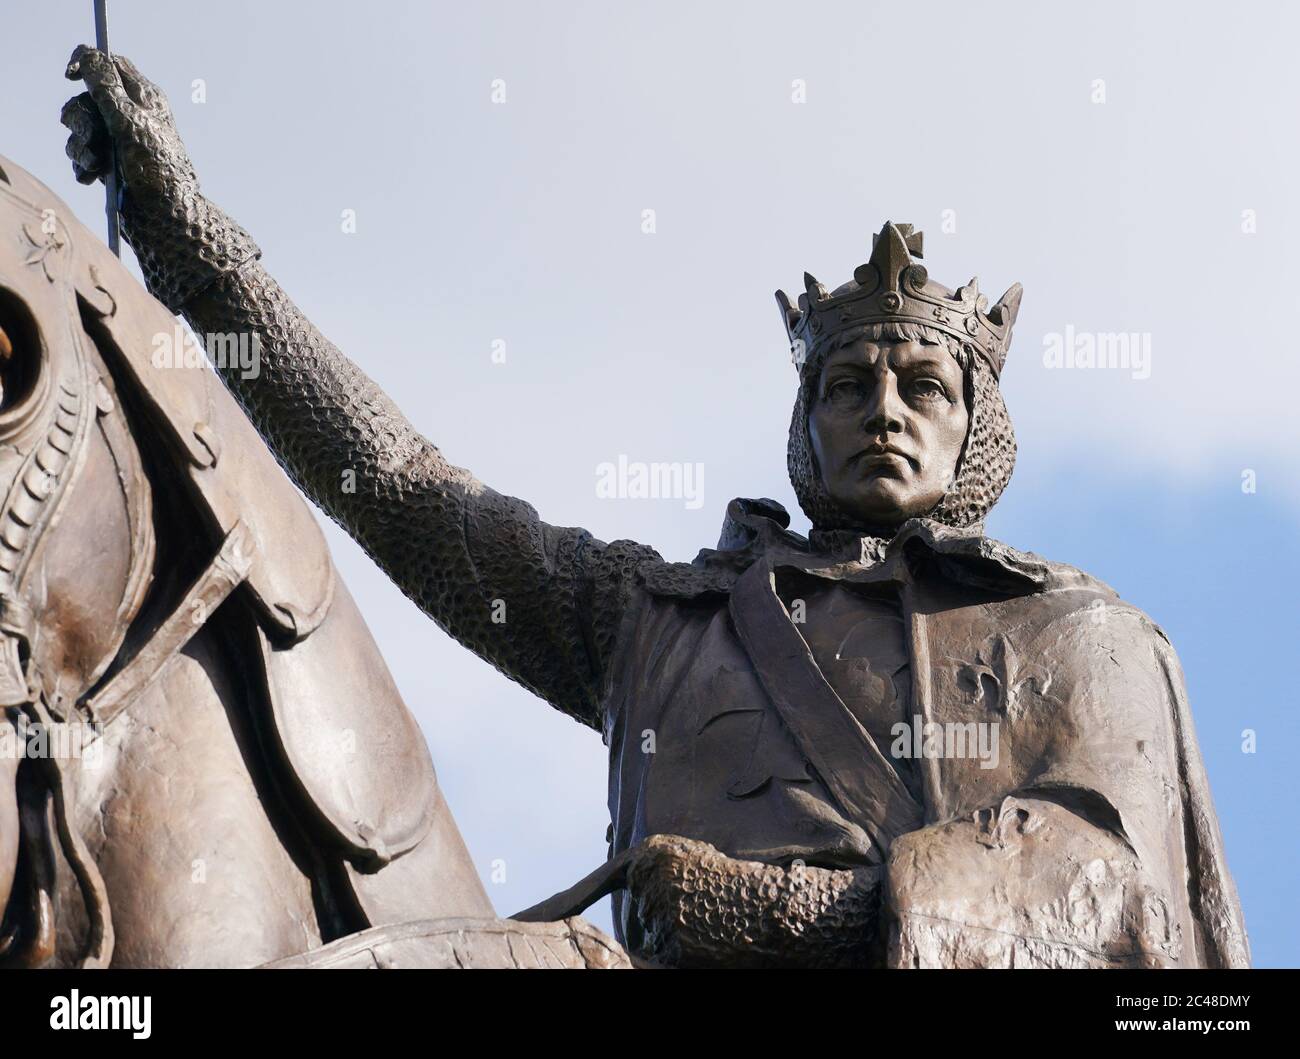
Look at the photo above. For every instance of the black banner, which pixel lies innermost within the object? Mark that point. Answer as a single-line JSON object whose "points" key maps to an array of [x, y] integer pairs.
{"points": [[338, 1008]]}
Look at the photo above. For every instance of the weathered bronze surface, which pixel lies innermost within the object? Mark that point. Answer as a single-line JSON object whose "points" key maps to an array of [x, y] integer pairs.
{"points": [[895, 743], [204, 759]]}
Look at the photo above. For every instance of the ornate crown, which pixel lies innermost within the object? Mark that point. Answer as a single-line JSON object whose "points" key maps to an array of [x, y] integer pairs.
{"points": [[892, 286]]}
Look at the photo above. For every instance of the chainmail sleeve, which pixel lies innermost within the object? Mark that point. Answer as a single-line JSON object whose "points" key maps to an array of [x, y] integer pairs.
{"points": [[541, 603]]}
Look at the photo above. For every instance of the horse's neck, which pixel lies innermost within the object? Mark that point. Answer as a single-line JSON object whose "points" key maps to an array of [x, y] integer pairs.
{"points": [[91, 562]]}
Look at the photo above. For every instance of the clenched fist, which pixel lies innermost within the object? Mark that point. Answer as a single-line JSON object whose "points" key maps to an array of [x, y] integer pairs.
{"points": [[124, 110], [183, 242]]}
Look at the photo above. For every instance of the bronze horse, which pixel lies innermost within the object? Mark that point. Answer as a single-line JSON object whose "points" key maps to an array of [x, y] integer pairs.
{"points": [[205, 761]]}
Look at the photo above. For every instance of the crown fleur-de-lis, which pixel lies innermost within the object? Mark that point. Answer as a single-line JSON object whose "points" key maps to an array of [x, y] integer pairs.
{"points": [[893, 286]]}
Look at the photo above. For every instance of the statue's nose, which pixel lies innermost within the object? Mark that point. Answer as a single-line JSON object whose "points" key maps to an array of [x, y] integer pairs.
{"points": [[884, 411]]}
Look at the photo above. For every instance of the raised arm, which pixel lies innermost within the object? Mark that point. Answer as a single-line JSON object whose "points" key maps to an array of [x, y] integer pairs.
{"points": [[539, 602]]}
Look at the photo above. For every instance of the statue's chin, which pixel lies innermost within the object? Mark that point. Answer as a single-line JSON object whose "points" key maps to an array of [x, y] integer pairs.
{"points": [[880, 513]]}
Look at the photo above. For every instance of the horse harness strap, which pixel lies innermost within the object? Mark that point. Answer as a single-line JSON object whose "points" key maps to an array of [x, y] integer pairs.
{"points": [[227, 570]]}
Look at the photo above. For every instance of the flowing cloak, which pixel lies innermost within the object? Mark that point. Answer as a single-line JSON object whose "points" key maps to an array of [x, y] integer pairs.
{"points": [[1090, 839]]}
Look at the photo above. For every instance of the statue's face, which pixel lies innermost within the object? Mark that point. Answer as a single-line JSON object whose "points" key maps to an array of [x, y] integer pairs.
{"points": [[887, 424]]}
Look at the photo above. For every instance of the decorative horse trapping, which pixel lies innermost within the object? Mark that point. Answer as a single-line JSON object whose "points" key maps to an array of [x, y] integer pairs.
{"points": [[168, 604]]}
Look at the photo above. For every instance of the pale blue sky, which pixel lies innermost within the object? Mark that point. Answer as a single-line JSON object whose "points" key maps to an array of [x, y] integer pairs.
{"points": [[522, 221]]}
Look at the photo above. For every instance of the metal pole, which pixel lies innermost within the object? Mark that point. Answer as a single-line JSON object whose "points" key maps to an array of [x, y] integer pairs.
{"points": [[110, 178]]}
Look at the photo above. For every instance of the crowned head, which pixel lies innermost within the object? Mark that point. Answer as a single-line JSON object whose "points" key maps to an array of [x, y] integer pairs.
{"points": [[899, 413]]}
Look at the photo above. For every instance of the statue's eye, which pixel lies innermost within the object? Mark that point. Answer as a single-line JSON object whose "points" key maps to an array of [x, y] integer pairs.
{"points": [[927, 388], [846, 393]]}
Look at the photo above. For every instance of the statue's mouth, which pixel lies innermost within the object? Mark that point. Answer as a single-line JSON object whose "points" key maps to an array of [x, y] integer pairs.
{"points": [[884, 458]]}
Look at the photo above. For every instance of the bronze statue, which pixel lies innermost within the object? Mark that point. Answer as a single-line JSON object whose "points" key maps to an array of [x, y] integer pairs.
{"points": [[895, 743]]}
